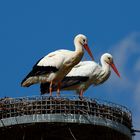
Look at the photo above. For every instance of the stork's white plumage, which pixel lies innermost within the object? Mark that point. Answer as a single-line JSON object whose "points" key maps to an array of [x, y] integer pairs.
{"points": [[53, 67], [84, 74]]}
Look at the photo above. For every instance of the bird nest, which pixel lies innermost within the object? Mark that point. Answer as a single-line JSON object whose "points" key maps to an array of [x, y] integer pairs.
{"points": [[10, 107]]}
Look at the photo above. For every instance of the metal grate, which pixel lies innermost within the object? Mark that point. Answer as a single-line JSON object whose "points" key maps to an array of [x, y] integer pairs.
{"points": [[64, 105]]}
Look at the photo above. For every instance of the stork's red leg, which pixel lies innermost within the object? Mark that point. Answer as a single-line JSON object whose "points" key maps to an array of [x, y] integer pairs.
{"points": [[81, 93], [58, 88], [51, 88]]}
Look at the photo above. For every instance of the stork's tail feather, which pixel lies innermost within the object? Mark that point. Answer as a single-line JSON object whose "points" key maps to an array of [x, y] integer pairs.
{"points": [[44, 88], [29, 81]]}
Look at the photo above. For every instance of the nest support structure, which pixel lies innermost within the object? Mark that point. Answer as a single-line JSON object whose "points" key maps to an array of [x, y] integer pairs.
{"points": [[64, 118]]}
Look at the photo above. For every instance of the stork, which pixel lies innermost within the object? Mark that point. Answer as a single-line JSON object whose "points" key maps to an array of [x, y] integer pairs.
{"points": [[56, 65], [85, 74]]}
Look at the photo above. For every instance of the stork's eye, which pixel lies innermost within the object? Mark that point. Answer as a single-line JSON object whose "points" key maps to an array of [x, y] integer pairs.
{"points": [[84, 40], [109, 58]]}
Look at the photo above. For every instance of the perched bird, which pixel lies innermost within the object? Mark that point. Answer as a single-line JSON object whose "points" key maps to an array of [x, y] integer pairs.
{"points": [[85, 74], [56, 65]]}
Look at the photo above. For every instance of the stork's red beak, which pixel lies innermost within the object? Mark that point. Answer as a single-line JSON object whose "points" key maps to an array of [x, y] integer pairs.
{"points": [[114, 68], [89, 51]]}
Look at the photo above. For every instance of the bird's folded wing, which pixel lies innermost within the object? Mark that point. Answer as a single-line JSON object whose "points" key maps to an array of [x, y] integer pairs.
{"points": [[84, 68], [73, 80], [50, 63], [65, 83], [53, 59]]}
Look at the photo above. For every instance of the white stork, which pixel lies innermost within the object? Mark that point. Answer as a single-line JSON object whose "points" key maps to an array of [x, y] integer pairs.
{"points": [[56, 65], [85, 74]]}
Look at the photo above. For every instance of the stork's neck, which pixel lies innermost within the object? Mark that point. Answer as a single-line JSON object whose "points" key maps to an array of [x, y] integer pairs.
{"points": [[78, 53], [105, 67], [78, 47]]}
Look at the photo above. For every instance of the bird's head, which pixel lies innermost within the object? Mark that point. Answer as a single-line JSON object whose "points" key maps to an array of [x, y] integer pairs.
{"points": [[108, 58], [83, 41]]}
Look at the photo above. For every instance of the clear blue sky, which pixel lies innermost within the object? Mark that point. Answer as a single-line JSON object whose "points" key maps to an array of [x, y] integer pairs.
{"points": [[32, 29]]}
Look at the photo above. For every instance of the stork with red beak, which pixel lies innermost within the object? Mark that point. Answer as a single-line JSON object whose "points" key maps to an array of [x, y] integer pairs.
{"points": [[85, 74], [56, 65]]}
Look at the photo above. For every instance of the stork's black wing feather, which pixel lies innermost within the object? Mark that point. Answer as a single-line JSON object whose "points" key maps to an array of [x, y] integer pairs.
{"points": [[73, 80], [40, 70], [65, 83]]}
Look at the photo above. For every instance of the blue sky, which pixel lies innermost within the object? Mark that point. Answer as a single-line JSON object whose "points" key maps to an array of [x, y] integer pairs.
{"points": [[32, 29]]}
